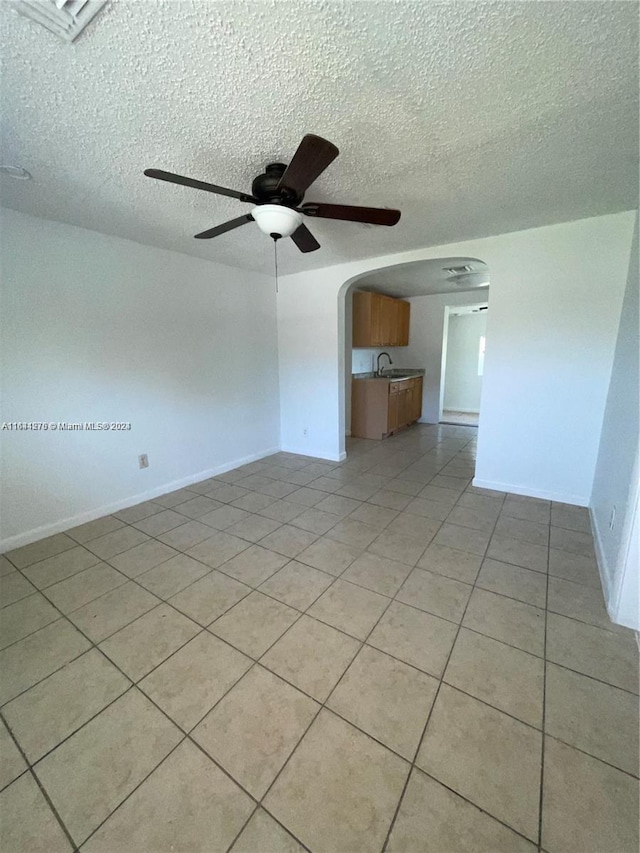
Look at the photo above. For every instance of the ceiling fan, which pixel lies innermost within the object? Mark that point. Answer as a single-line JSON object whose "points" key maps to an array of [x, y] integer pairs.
{"points": [[278, 194]]}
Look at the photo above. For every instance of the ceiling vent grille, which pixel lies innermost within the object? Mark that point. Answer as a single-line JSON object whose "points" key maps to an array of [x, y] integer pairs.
{"points": [[458, 270], [66, 18]]}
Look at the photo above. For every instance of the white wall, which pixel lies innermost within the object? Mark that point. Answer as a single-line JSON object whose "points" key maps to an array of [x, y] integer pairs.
{"points": [[96, 328], [462, 382], [617, 471], [556, 295], [551, 334], [365, 360]]}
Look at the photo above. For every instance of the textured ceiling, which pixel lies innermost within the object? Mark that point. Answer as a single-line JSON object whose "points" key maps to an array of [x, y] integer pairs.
{"points": [[472, 118], [423, 278]]}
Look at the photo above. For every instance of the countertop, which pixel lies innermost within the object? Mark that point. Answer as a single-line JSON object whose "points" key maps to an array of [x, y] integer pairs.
{"points": [[394, 375]]}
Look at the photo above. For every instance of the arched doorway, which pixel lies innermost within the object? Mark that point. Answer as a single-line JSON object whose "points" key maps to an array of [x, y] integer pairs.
{"points": [[430, 286]]}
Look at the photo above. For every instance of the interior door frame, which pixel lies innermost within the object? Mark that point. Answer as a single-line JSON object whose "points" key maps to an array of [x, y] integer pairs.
{"points": [[448, 311]]}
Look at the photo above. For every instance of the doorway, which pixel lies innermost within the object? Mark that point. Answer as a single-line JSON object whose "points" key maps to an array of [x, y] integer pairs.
{"points": [[463, 350]]}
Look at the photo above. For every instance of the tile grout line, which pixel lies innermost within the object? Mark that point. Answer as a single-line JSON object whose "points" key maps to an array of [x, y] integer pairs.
{"points": [[544, 706], [211, 570], [428, 720], [323, 705], [207, 629], [257, 589], [30, 771], [319, 536], [255, 663], [196, 494], [134, 684]]}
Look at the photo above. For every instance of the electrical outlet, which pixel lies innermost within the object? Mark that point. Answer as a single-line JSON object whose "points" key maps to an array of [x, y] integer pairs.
{"points": [[305, 432], [143, 461], [612, 518]]}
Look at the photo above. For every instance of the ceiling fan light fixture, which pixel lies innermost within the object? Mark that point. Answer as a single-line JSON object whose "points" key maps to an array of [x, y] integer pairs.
{"points": [[277, 219]]}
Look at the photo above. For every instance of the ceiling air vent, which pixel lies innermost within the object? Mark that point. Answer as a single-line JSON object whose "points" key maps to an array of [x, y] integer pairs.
{"points": [[458, 270], [66, 18]]}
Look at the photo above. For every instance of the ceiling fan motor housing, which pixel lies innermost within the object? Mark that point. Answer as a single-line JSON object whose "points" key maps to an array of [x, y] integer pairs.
{"points": [[265, 187]]}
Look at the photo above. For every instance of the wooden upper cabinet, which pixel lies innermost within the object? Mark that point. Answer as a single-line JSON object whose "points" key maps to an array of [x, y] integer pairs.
{"points": [[392, 326], [380, 321], [363, 319], [404, 309]]}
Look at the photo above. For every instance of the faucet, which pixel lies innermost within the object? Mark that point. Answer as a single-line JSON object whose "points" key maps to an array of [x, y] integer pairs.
{"points": [[379, 357]]}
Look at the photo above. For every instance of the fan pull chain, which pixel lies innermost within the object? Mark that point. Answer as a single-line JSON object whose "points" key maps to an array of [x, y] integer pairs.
{"points": [[275, 258]]}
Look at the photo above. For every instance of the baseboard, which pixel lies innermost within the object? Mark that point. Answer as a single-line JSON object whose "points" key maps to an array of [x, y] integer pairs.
{"points": [[606, 572], [29, 536], [317, 454], [530, 492], [464, 411]]}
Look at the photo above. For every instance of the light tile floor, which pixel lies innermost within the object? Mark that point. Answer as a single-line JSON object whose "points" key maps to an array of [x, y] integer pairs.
{"points": [[452, 417], [299, 655]]}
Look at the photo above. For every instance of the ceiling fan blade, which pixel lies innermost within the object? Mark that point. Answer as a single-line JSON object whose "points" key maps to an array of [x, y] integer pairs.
{"points": [[226, 226], [349, 213], [310, 160], [198, 185], [304, 239]]}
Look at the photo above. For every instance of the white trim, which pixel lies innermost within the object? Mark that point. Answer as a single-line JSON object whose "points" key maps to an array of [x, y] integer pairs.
{"points": [[604, 570], [527, 491], [607, 577], [614, 569], [443, 359], [64, 524], [625, 613], [316, 454], [465, 411]]}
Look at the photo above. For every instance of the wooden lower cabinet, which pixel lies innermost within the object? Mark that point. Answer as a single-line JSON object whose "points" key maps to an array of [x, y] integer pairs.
{"points": [[393, 414], [381, 407]]}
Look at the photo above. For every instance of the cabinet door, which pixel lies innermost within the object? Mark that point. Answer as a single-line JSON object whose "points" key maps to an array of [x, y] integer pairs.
{"points": [[404, 313], [384, 320], [394, 323], [362, 319], [417, 399], [411, 403], [403, 407], [379, 321], [413, 406], [393, 413]]}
